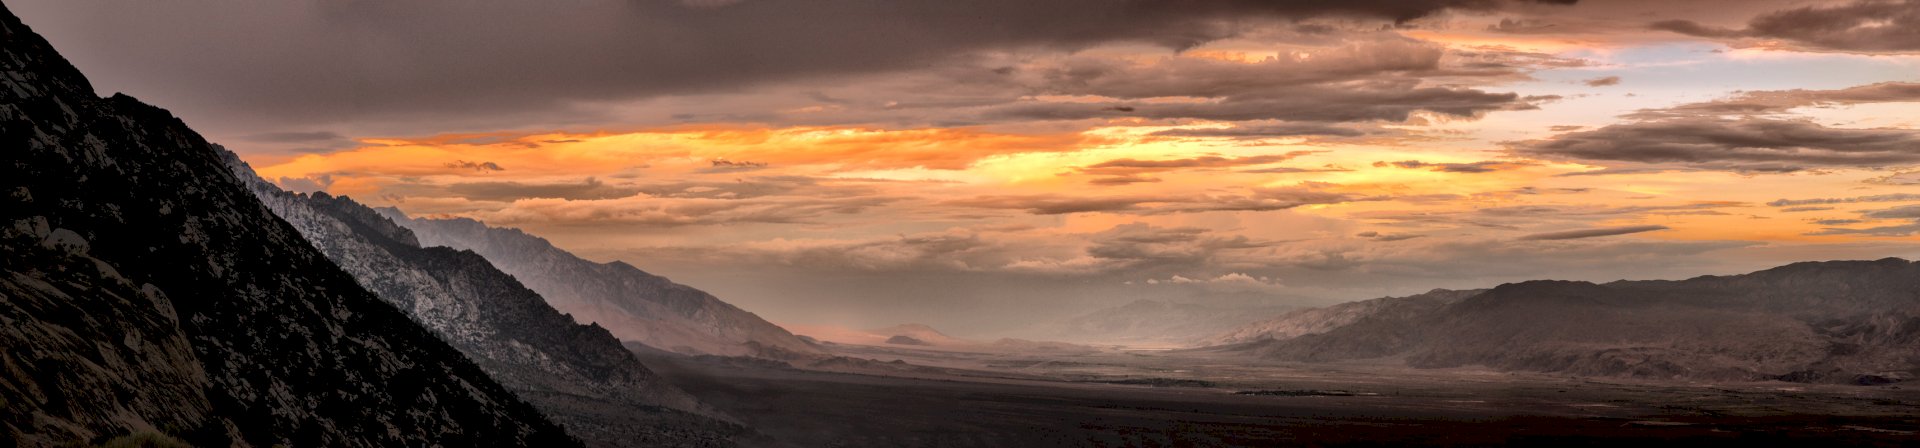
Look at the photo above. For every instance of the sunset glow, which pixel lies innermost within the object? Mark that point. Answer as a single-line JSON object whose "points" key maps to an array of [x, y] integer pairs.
{"points": [[1337, 156]]}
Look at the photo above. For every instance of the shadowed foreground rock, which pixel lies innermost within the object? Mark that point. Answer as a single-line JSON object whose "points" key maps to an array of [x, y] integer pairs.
{"points": [[144, 290]]}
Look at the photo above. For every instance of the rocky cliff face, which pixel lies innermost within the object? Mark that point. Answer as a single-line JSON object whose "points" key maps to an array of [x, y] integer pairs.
{"points": [[145, 290], [1846, 321], [631, 303], [578, 375]]}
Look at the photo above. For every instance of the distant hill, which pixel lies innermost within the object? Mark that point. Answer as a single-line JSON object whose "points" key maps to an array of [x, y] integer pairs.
{"points": [[1836, 322]]}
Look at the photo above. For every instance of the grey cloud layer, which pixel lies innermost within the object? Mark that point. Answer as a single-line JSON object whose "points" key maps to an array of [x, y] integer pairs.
{"points": [[1590, 233], [1866, 26], [1894, 197], [1747, 144], [1256, 199], [1746, 132], [1487, 166], [1771, 102], [283, 63]]}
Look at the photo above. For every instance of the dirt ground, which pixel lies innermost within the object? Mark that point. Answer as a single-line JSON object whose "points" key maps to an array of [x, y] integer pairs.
{"points": [[1116, 398]]}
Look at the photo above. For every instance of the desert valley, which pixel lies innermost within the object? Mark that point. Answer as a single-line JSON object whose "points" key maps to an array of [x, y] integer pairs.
{"points": [[162, 289]]}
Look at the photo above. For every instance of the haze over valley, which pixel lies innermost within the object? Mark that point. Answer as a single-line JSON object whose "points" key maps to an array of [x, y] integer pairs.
{"points": [[977, 224]]}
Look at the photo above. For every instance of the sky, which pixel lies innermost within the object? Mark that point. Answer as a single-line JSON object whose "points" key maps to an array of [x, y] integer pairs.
{"points": [[988, 167]]}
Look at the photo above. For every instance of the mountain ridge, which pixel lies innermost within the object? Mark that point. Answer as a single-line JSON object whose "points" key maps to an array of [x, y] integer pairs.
{"points": [[577, 374], [1832, 321], [229, 329], [633, 304]]}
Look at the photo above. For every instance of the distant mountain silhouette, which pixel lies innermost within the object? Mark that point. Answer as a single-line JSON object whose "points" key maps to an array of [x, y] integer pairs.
{"points": [[579, 375], [146, 291], [633, 304], [1838, 322]]}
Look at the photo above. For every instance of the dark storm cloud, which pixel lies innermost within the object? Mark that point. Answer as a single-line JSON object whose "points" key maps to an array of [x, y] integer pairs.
{"points": [[1745, 145], [1867, 26], [1591, 233], [343, 61]]}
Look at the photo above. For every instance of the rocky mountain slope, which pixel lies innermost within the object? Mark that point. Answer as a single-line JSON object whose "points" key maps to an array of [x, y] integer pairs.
{"points": [[578, 375], [146, 291], [1842, 321], [631, 303]]}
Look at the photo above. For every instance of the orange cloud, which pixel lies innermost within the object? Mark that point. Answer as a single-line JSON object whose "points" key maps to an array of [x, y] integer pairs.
{"points": [[556, 153]]}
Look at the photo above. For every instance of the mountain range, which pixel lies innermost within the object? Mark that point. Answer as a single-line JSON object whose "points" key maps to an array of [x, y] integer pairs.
{"points": [[632, 304], [1833, 322], [147, 292], [579, 375]]}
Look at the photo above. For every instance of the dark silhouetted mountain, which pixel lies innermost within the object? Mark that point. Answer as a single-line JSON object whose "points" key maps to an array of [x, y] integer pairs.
{"points": [[579, 375], [634, 305], [1841, 321], [145, 290]]}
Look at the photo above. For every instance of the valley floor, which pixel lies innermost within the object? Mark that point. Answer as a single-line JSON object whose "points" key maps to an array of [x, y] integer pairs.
{"points": [[948, 399]]}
